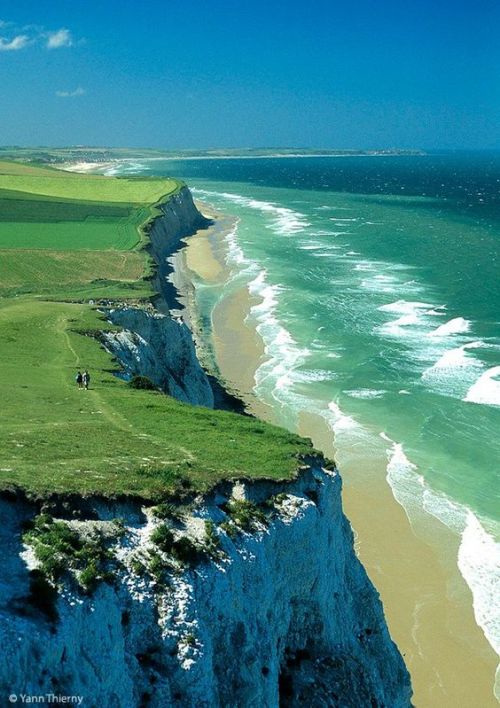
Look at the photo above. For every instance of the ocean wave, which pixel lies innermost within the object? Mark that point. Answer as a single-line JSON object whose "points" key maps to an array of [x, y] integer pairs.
{"points": [[455, 370], [125, 168], [457, 325], [365, 266], [311, 246], [283, 355], [478, 555], [312, 375], [401, 474], [235, 253], [486, 389], [284, 221], [325, 232], [478, 560], [318, 246], [388, 283], [327, 207], [365, 393], [405, 307], [339, 421]]}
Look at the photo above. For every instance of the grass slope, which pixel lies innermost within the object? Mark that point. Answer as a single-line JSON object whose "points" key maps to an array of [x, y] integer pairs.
{"points": [[111, 440], [69, 239]]}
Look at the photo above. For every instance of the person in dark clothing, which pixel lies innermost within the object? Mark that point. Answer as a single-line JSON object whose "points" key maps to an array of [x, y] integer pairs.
{"points": [[79, 379], [86, 379]]}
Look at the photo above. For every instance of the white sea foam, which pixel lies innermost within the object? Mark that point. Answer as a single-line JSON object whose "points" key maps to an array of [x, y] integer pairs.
{"points": [[324, 232], [124, 168], [486, 389], [478, 562], [457, 357], [455, 370], [318, 246], [283, 221], [327, 207], [339, 421], [385, 283], [411, 315], [479, 553], [311, 375], [404, 307], [405, 482], [311, 246], [234, 251], [284, 356], [365, 393], [455, 326]]}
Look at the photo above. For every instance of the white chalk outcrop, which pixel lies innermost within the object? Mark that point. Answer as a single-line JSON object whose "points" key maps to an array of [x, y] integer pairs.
{"points": [[179, 218], [161, 348], [285, 616]]}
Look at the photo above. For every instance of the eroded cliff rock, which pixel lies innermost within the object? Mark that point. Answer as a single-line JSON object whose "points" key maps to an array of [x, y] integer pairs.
{"points": [[161, 348], [281, 614]]}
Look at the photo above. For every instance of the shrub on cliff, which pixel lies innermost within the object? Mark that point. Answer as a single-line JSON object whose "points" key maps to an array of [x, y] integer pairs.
{"points": [[245, 514], [142, 382]]}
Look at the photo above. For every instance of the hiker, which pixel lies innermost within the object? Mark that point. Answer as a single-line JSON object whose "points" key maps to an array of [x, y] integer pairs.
{"points": [[86, 379], [79, 379]]}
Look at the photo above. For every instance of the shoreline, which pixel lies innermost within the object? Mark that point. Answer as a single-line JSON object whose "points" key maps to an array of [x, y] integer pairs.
{"points": [[427, 603], [89, 167]]}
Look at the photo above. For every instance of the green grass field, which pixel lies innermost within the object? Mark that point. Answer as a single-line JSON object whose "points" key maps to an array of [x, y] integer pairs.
{"points": [[55, 225], [45, 271], [111, 439], [81, 241]]}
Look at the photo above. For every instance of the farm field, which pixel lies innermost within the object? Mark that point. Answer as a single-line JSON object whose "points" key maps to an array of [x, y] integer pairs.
{"points": [[65, 240], [63, 232]]}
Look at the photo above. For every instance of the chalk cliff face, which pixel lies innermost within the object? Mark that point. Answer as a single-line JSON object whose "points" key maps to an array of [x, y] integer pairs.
{"points": [[179, 218], [284, 615], [162, 349]]}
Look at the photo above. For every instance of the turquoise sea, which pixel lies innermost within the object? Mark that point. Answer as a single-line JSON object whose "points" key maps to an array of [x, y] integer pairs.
{"points": [[378, 300]]}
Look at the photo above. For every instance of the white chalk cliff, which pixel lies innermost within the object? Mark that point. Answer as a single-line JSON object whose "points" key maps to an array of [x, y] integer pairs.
{"points": [[161, 348], [286, 615]]}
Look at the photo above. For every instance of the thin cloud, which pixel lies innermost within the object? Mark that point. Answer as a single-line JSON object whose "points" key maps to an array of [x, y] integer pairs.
{"points": [[59, 38], [20, 36], [12, 45], [71, 94]]}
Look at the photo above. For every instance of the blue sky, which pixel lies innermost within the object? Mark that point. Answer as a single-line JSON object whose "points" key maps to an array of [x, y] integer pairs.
{"points": [[202, 74]]}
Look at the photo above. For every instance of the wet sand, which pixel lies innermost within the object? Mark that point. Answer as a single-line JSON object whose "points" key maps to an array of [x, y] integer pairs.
{"points": [[427, 603]]}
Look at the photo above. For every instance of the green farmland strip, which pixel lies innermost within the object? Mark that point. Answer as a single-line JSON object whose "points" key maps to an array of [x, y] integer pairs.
{"points": [[44, 271], [91, 188], [12, 208], [92, 234]]}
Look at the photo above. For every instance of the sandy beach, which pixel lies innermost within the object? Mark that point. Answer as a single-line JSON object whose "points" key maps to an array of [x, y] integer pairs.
{"points": [[427, 603]]}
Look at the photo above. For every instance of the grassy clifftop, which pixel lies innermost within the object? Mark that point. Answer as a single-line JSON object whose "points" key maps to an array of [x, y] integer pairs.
{"points": [[54, 227], [110, 440]]}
